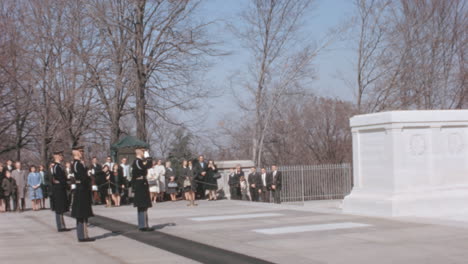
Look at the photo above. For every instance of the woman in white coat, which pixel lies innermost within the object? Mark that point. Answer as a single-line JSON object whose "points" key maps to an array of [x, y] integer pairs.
{"points": [[153, 182], [160, 170]]}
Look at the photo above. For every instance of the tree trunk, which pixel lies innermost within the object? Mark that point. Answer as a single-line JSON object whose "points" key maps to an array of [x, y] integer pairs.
{"points": [[141, 72]]}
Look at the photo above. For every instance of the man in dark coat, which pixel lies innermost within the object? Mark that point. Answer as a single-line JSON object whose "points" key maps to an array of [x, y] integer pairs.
{"points": [[96, 172], [142, 199], [275, 184], [234, 184], [81, 207], [263, 186], [59, 190], [201, 169], [254, 178]]}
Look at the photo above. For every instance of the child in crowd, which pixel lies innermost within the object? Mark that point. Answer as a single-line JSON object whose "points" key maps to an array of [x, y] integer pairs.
{"points": [[244, 188], [9, 190]]}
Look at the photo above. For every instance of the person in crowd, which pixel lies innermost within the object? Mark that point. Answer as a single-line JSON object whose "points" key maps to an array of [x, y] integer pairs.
{"points": [[233, 183], [275, 184], [117, 183], [95, 166], [201, 168], [161, 172], [9, 191], [9, 166], [71, 186], [127, 178], [81, 207], [153, 182], [142, 199], [212, 180], [97, 176], [109, 162], [171, 181], [264, 186], [103, 181], [244, 186], [2, 198], [20, 177], [45, 185], [125, 169], [50, 172], [35, 191], [187, 182], [254, 178], [59, 196]]}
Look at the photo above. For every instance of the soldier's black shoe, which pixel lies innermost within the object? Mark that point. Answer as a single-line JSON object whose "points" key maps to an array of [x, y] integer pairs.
{"points": [[64, 230], [146, 229], [86, 240]]}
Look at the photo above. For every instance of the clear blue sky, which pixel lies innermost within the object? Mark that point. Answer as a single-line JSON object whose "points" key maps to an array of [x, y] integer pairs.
{"points": [[336, 61]]}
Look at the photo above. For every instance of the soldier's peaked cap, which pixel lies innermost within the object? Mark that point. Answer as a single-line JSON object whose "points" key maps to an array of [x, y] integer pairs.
{"points": [[140, 147], [78, 148]]}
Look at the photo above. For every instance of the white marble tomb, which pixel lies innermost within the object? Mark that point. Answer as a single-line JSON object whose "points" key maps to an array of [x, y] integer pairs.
{"points": [[409, 163]]}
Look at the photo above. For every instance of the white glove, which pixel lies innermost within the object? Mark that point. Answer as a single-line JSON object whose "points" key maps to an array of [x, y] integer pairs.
{"points": [[146, 154]]}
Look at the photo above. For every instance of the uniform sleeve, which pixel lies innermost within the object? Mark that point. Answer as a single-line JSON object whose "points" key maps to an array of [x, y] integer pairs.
{"points": [[138, 164], [60, 175]]}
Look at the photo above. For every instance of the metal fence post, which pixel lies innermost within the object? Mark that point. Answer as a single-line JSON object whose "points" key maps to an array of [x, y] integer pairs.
{"points": [[303, 186]]}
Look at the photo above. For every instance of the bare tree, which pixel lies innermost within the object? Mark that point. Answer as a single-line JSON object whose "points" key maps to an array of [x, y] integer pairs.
{"points": [[281, 63], [168, 51], [411, 54], [110, 64], [17, 101]]}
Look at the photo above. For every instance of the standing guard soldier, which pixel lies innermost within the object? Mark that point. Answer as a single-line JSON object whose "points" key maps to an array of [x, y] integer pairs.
{"points": [[59, 190], [142, 199], [81, 207]]}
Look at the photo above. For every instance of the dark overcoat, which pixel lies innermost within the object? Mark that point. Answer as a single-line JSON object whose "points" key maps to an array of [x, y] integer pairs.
{"points": [[189, 174], [81, 207], [59, 190], [140, 183], [211, 180]]}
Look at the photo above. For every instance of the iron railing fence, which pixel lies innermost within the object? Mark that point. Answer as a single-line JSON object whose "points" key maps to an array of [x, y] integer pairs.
{"points": [[306, 182], [315, 182]]}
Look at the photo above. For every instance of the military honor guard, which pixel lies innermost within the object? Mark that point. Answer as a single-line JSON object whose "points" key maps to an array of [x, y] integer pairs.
{"points": [[142, 199], [81, 206], [59, 189]]}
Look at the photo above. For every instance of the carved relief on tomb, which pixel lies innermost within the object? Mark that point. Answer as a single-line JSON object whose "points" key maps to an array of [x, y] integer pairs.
{"points": [[455, 143], [417, 145]]}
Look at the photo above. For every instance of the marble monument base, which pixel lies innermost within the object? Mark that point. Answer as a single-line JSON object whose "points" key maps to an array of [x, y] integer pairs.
{"points": [[409, 163]]}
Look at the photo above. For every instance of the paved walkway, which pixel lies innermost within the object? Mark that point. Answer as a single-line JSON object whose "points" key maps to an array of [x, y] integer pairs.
{"points": [[316, 233]]}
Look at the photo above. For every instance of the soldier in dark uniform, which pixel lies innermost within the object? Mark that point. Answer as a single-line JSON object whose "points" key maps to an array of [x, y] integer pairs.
{"points": [[59, 190], [140, 185], [81, 207]]}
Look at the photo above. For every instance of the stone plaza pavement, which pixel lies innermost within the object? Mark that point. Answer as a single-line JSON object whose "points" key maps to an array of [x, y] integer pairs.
{"points": [[314, 233]]}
